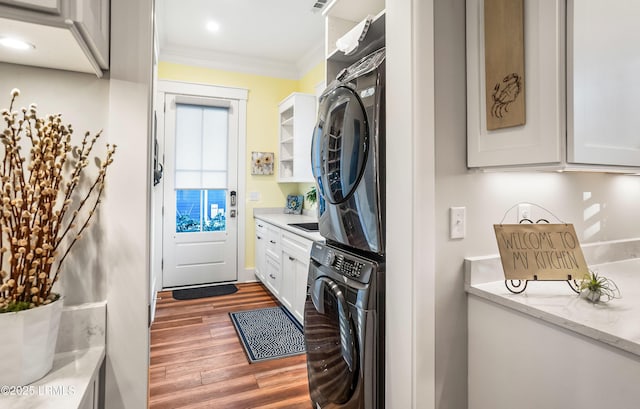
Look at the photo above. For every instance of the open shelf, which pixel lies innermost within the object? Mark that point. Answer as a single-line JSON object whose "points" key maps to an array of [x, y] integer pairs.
{"points": [[373, 40]]}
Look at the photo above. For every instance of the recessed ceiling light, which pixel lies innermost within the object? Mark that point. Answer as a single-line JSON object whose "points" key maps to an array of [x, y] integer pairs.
{"points": [[16, 44], [213, 26]]}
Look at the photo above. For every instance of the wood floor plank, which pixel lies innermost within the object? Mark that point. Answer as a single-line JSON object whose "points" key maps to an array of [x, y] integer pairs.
{"points": [[197, 360], [216, 338]]}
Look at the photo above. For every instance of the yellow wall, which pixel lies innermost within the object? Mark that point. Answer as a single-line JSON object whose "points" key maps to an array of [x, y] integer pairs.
{"points": [[308, 85], [265, 93]]}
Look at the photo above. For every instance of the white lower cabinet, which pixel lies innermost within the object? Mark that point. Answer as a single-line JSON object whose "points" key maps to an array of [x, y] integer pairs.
{"points": [[282, 264], [261, 248], [90, 400]]}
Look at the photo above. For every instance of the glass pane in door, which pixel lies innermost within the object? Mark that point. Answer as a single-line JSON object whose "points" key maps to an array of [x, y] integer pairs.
{"points": [[199, 210], [215, 202]]}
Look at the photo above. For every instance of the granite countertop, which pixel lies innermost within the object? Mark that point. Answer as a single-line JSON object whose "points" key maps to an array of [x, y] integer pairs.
{"points": [[64, 387], [614, 323], [280, 219]]}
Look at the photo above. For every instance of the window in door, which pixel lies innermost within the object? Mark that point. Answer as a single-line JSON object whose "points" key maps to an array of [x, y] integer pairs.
{"points": [[201, 168]]}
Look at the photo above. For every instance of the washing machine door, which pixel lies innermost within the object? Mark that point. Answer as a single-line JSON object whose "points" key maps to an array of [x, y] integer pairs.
{"points": [[332, 351], [340, 144]]}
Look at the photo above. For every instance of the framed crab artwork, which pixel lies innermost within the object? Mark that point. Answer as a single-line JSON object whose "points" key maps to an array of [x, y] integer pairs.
{"points": [[504, 63]]}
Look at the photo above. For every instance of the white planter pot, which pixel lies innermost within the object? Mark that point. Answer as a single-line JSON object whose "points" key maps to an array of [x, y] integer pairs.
{"points": [[28, 343], [593, 296]]}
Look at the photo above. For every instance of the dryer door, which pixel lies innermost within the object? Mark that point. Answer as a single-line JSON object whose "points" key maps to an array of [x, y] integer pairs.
{"points": [[332, 351], [340, 144]]}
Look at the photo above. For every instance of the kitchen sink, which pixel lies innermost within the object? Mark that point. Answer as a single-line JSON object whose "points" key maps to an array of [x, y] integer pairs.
{"points": [[310, 227]]}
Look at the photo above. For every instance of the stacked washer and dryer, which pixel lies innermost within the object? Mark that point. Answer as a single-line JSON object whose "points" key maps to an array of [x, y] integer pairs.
{"points": [[344, 310]]}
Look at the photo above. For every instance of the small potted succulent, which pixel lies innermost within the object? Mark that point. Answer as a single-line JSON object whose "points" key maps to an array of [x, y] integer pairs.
{"points": [[594, 287], [312, 195]]}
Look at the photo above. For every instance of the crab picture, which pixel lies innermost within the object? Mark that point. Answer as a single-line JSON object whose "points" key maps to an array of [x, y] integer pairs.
{"points": [[505, 93]]}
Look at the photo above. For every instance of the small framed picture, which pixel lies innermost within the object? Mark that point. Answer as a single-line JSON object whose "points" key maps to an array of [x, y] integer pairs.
{"points": [[294, 204], [262, 163]]}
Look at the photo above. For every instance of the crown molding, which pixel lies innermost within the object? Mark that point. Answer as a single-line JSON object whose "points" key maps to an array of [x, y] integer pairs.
{"points": [[310, 59], [238, 63]]}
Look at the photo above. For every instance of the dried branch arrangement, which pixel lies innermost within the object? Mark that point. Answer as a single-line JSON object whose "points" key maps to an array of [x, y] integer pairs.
{"points": [[44, 208]]}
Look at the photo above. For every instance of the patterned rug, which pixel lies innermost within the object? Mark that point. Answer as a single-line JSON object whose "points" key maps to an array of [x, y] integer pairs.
{"points": [[268, 333]]}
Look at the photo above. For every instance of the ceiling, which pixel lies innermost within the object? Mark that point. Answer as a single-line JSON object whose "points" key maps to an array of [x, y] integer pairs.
{"points": [[282, 38]]}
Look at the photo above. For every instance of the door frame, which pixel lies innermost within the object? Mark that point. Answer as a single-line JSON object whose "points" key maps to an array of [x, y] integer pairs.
{"points": [[206, 91]]}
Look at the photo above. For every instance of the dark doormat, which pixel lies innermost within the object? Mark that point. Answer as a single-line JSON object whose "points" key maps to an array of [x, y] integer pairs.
{"points": [[204, 292]]}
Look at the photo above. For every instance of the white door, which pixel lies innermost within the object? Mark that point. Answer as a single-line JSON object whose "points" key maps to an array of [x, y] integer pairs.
{"points": [[200, 200]]}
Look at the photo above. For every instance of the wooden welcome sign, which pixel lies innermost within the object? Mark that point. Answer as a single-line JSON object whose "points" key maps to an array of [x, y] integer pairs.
{"points": [[540, 252]]}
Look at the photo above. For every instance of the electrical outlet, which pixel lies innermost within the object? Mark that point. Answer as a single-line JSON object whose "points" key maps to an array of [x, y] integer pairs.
{"points": [[524, 211], [457, 222], [254, 196]]}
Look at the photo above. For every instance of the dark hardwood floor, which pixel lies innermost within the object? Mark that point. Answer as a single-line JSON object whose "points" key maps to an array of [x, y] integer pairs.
{"points": [[197, 360]]}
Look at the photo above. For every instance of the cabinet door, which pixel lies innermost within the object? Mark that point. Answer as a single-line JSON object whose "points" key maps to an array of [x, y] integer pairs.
{"points": [[541, 139], [90, 400], [294, 283], [300, 289], [260, 251], [288, 280], [296, 252], [272, 275], [92, 19], [49, 6], [603, 61]]}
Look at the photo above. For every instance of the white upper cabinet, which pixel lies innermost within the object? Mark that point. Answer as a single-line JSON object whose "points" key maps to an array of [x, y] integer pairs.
{"points": [[66, 34], [297, 115], [579, 99], [603, 82]]}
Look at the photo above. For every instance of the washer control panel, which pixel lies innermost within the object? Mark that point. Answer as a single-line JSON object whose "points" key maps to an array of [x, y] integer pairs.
{"points": [[347, 266], [344, 263]]}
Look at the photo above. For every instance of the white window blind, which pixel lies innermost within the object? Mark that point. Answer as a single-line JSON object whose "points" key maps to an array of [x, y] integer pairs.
{"points": [[201, 146]]}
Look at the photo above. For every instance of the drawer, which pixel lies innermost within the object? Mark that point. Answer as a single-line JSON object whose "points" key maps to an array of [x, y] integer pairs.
{"points": [[296, 245], [273, 244], [272, 274], [261, 227]]}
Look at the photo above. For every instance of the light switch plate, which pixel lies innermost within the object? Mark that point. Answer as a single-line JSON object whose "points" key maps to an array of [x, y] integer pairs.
{"points": [[254, 196], [524, 211], [457, 222]]}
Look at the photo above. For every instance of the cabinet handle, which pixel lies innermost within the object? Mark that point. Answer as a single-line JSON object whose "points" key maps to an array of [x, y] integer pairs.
{"points": [[272, 242], [259, 238], [272, 276], [260, 225], [291, 258]]}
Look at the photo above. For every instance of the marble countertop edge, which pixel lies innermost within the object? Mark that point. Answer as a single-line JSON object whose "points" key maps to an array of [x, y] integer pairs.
{"points": [[614, 324], [282, 220], [563, 322], [64, 387]]}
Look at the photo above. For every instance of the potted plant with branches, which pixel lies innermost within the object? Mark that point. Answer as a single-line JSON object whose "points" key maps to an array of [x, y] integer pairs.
{"points": [[47, 202]]}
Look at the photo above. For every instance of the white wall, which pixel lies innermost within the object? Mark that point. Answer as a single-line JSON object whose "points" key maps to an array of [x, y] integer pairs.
{"points": [[126, 253], [600, 205], [410, 205], [82, 99]]}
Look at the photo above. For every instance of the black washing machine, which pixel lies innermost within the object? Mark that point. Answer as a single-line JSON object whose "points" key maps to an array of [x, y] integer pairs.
{"points": [[344, 327]]}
